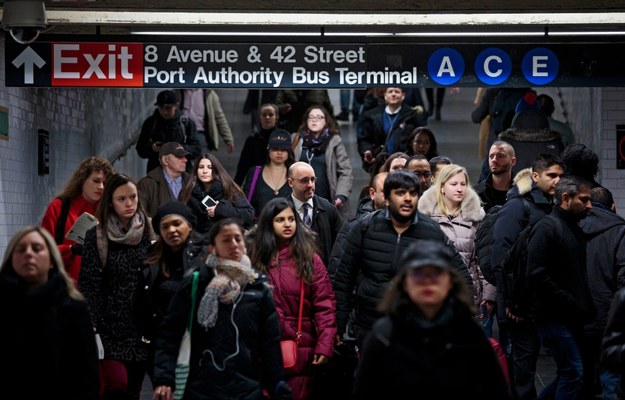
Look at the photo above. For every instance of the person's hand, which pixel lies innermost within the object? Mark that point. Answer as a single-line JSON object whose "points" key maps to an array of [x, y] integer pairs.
{"points": [[338, 203], [338, 341], [76, 249], [156, 146], [162, 393], [319, 359], [487, 306], [211, 211], [285, 108], [368, 157], [230, 148]]}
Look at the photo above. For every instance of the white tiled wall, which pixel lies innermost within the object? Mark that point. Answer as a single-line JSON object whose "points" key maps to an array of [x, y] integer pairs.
{"points": [[81, 122]]}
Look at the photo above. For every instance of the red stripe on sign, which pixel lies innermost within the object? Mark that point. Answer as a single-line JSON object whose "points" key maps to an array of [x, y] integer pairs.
{"points": [[97, 64]]}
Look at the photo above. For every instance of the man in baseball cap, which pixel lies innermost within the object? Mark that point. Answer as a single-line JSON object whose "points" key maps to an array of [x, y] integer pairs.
{"points": [[167, 124]]}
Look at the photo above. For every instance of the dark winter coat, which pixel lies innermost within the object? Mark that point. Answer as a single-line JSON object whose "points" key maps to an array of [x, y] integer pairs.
{"points": [[47, 345], [158, 290], [326, 222], [375, 138], [556, 272], [239, 208], [254, 153], [112, 292], [373, 254], [604, 231], [248, 333], [157, 129], [529, 143], [409, 357], [612, 354]]}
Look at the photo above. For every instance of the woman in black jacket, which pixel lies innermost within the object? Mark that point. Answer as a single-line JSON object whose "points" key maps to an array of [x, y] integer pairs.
{"points": [[428, 344], [235, 339], [229, 200], [47, 346]]}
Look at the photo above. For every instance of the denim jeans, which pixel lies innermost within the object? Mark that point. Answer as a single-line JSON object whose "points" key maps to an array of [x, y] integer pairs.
{"points": [[525, 349], [559, 340], [609, 383]]}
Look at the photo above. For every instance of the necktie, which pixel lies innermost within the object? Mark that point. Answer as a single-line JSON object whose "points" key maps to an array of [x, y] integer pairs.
{"points": [[307, 219]]}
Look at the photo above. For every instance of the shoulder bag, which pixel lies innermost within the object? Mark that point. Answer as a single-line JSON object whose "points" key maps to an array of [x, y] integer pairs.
{"points": [[289, 347], [253, 184], [184, 354]]}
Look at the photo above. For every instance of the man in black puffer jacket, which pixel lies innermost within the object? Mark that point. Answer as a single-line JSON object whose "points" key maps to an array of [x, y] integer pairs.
{"points": [[372, 250]]}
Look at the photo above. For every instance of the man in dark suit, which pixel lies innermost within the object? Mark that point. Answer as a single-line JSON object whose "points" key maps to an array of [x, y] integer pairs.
{"points": [[318, 214]]}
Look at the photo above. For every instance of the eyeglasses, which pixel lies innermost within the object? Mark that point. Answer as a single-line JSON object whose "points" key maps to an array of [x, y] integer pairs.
{"points": [[306, 180], [420, 275], [316, 117], [426, 175]]}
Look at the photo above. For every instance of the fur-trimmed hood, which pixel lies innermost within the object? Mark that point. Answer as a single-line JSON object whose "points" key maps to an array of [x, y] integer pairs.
{"points": [[523, 181], [530, 135], [471, 206]]}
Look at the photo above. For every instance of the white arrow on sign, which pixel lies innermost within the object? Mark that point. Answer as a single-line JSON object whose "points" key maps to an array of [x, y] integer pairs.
{"points": [[28, 58]]}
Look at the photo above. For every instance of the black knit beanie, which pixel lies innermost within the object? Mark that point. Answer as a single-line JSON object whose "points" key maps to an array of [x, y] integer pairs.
{"points": [[169, 208]]}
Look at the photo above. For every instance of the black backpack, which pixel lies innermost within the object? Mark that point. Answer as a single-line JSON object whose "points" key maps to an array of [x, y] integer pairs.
{"points": [[517, 294], [484, 240]]}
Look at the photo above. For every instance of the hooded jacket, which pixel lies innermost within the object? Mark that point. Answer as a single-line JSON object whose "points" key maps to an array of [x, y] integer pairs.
{"points": [[604, 231]]}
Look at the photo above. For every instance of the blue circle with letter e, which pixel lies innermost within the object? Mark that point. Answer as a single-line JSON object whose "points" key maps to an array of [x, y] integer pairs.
{"points": [[493, 66], [446, 66], [540, 66]]}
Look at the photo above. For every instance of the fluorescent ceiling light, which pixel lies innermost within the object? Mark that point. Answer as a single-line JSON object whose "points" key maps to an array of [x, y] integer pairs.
{"points": [[132, 18]]}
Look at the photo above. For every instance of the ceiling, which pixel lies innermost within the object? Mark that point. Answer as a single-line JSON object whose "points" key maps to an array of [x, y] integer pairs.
{"points": [[123, 16]]}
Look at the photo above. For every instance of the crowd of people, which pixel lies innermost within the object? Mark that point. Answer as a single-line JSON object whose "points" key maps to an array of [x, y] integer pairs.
{"points": [[281, 254]]}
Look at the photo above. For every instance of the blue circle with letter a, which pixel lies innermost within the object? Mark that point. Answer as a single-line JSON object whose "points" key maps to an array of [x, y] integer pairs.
{"points": [[493, 66], [540, 66], [446, 66]]}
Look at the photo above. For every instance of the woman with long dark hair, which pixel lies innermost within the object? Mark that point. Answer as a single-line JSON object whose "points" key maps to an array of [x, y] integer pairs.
{"points": [[284, 249], [230, 202]]}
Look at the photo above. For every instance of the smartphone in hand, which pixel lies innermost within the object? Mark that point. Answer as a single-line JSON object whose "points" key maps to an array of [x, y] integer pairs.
{"points": [[209, 201]]}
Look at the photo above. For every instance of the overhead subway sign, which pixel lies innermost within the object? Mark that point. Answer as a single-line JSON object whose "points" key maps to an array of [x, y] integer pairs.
{"points": [[327, 65]]}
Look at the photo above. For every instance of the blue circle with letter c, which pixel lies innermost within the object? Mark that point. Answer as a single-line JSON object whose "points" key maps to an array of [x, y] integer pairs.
{"points": [[493, 66], [446, 66]]}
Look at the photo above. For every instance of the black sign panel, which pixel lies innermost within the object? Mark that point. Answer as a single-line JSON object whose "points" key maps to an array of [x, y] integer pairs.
{"points": [[311, 65]]}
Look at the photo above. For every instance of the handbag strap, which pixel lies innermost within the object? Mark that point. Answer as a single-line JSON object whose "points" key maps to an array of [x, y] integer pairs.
{"points": [[196, 275], [298, 335], [253, 185]]}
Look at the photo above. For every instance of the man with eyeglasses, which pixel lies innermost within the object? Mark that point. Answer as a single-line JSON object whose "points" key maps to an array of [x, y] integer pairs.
{"points": [[372, 249], [493, 189], [321, 216], [420, 165], [167, 124]]}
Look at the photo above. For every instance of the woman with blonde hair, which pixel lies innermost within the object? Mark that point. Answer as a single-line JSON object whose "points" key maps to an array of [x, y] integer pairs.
{"points": [[46, 332], [452, 202], [81, 194]]}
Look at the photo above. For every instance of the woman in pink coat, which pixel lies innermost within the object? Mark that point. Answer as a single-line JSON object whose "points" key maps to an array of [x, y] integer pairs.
{"points": [[285, 250]]}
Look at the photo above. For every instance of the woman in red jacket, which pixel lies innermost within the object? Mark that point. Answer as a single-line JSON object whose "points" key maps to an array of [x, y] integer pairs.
{"points": [[284, 249], [81, 194]]}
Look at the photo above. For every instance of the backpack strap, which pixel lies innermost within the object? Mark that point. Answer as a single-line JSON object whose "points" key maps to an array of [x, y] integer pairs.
{"points": [[253, 184], [59, 229]]}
